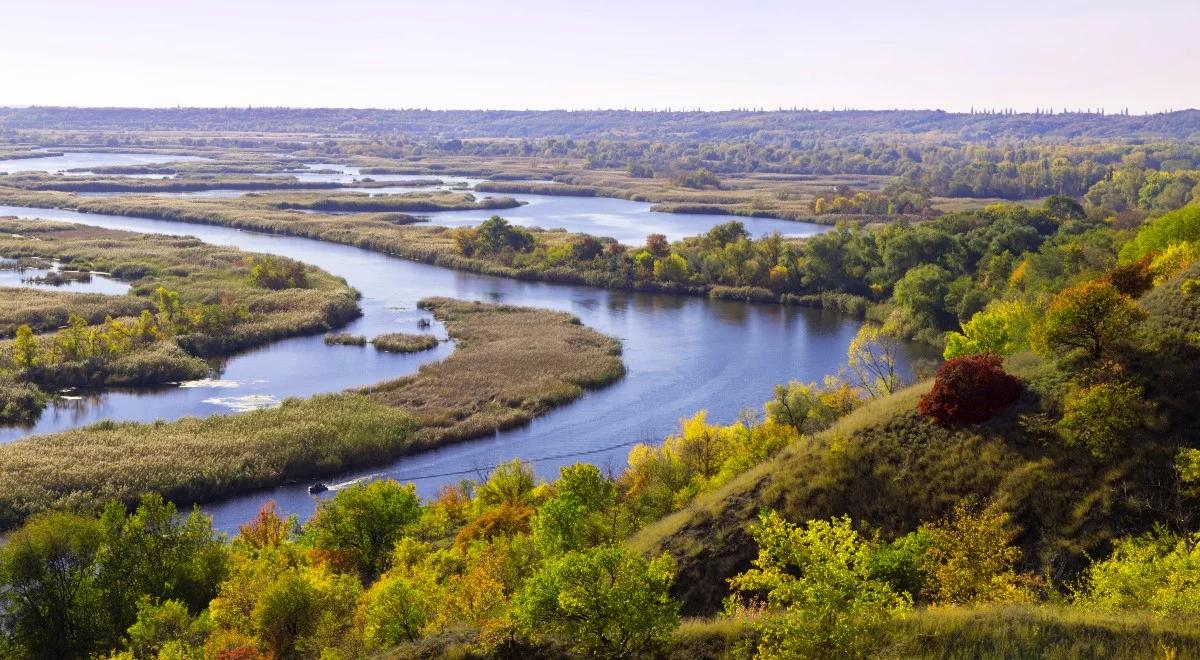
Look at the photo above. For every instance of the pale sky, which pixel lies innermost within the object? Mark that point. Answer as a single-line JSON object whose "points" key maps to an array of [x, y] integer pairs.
{"points": [[519, 54]]}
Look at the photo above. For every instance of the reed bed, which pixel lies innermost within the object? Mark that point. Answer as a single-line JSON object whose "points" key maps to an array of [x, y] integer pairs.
{"points": [[511, 364], [403, 342]]}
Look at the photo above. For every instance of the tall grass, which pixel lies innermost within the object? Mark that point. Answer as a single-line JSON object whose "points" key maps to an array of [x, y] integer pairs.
{"points": [[512, 363]]}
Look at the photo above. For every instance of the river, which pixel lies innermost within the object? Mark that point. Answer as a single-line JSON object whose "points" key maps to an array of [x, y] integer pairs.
{"points": [[683, 354]]}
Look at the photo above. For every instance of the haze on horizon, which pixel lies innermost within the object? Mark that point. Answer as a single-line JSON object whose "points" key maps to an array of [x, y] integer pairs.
{"points": [[536, 54]]}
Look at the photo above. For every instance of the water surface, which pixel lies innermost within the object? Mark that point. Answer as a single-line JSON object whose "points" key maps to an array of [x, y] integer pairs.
{"points": [[86, 159]]}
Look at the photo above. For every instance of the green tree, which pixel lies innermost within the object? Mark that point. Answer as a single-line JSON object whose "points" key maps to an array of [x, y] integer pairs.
{"points": [[287, 612], [922, 291], [607, 602], [362, 523], [672, 268], [821, 591], [156, 553], [394, 610], [52, 605], [1002, 329], [582, 513], [161, 629]]}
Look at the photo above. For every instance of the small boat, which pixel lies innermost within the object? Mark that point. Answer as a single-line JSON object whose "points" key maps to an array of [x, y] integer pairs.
{"points": [[317, 488]]}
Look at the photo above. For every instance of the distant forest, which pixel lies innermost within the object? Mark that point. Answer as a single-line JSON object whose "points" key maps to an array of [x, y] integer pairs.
{"points": [[766, 126]]}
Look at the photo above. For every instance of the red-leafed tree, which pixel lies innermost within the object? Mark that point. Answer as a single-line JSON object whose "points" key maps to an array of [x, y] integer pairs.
{"points": [[969, 390]]}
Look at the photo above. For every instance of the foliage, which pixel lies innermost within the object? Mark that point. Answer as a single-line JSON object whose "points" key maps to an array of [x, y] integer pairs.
{"points": [[809, 408], [271, 272], [702, 457], [359, 525], [607, 602], [1158, 570], [871, 360], [494, 236], [1092, 318], [1001, 329], [1102, 416], [1178, 226], [20, 403], [971, 559], [819, 587], [970, 390]]}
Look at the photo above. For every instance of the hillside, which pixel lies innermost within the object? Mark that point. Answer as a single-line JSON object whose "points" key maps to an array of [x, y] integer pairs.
{"points": [[890, 469]]}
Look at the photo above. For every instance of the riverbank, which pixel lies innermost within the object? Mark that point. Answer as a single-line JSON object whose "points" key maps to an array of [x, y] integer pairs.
{"points": [[187, 301], [395, 235], [512, 364]]}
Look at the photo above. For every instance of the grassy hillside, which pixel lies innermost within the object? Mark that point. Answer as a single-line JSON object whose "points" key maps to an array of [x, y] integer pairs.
{"points": [[890, 469]]}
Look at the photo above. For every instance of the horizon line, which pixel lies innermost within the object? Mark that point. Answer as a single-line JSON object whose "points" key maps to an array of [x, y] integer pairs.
{"points": [[981, 111]]}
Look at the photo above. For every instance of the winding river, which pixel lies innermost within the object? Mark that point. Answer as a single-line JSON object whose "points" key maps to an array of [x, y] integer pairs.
{"points": [[683, 354]]}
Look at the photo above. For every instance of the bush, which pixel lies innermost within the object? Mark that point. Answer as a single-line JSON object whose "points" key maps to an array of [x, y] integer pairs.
{"points": [[276, 273], [969, 390], [20, 402], [608, 601], [1132, 279], [1101, 416]]}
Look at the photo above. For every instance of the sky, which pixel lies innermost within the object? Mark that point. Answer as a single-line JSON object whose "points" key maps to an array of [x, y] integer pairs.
{"points": [[536, 54]]}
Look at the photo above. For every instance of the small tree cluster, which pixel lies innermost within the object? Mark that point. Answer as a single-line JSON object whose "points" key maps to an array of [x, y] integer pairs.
{"points": [[969, 390]]}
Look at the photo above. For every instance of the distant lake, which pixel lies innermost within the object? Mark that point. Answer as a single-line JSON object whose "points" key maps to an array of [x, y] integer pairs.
{"points": [[86, 159]]}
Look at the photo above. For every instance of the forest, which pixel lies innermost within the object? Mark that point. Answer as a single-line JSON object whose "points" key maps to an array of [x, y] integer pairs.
{"points": [[1031, 493]]}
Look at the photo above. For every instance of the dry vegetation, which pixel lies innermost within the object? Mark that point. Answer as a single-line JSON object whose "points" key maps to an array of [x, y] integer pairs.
{"points": [[403, 342], [46, 310], [512, 363]]}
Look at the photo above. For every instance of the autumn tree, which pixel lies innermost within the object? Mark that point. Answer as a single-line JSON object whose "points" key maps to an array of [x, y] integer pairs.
{"points": [[971, 558], [871, 360], [969, 390], [1092, 318]]}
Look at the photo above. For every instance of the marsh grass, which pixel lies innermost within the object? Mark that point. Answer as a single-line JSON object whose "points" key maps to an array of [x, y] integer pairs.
{"points": [[402, 342], [511, 364], [345, 339], [202, 274], [46, 310], [417, 202]]}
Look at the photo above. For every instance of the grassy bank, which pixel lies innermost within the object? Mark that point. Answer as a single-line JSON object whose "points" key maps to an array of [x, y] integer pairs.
{"points": [[199, 273], [44, 310], [512, 363], [419, 202], [126, 184]]}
